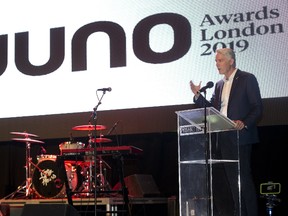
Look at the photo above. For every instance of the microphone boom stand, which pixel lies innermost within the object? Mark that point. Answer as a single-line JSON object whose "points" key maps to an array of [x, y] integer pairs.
{"points": [[94, 119]]}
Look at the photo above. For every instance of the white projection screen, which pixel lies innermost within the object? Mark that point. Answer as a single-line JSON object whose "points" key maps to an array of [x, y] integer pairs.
{"points": [[54, 55]]}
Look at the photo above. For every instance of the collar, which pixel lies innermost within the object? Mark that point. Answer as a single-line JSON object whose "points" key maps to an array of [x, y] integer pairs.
{"points": [[231, 76]]}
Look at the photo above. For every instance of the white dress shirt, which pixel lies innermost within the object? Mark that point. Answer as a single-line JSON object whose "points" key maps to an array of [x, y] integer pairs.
{"points": [[226, 93]]}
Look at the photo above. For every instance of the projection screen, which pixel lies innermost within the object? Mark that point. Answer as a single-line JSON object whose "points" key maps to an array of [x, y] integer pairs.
{"points": [[60, 57]]}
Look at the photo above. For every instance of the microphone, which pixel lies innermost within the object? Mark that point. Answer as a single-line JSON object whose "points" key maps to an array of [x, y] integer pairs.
{"points": [[112, 128], [210, 84], [105, 89]]}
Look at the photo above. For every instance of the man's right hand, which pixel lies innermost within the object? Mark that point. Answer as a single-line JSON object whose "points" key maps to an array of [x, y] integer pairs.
{"points": [[195, 88]]}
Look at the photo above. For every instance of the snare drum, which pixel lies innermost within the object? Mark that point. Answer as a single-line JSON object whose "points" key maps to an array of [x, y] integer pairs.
{"points": [[48, 180], [46, 156], [70, 145]]}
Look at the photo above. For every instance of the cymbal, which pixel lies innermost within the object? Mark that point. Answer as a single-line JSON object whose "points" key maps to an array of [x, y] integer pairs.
{"points": [[23, 134], [101, 140], [89, 127], [27, 140]]}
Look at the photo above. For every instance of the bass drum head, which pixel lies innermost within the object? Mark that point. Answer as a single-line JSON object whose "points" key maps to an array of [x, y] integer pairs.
{"points": [[48, 181]]}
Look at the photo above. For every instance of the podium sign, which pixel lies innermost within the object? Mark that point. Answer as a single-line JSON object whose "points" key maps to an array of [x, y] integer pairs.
{"points": [[202, 168]]}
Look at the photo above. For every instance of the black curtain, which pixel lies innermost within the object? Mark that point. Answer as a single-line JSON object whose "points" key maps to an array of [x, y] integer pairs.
{"points": [[159, 159]]}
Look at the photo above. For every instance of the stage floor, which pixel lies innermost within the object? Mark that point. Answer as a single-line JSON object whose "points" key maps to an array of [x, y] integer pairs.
{"points": [[104, 205]]}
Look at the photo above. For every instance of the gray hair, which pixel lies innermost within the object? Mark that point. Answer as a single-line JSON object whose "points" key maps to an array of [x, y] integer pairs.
{"points": [[229, 53]]}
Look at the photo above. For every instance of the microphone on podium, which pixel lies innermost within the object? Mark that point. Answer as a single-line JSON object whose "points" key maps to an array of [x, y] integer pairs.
{"points": [[210, 84], [105, 89]]}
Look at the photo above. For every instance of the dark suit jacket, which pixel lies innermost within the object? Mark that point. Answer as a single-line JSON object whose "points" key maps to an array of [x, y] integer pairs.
{"points": [[244, 104]]}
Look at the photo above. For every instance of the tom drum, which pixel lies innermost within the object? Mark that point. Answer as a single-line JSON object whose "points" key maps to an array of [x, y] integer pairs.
{"points": [[71, 146]]}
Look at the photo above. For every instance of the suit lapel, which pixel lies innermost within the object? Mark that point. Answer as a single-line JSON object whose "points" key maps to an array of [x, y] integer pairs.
{"points": [[219, 89], [235, 84]]}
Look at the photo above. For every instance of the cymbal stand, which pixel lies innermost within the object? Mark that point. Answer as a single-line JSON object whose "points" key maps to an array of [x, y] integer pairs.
{"points": [[28, 169], [102, 173], [88, 183], [28, 182], [92, 179]]}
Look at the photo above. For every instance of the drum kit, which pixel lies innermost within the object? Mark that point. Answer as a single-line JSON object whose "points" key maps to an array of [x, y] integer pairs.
{"points": [[44, 178]]}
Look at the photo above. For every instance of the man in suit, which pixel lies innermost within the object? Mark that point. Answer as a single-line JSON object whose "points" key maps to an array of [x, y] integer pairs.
{"points": [[238, 97]]}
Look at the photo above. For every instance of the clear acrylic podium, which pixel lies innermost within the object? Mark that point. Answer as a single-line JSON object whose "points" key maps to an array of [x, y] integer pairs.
{"points": [[200, 168]]}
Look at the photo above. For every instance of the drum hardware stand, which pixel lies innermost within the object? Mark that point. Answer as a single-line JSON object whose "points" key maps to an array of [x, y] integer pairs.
{"points": [[87, 184], [26, 186], [89, 175], [12, 195], [28, 182], [29, 191], [101, 176], [90, 184], [102, 171], [28, 170]]}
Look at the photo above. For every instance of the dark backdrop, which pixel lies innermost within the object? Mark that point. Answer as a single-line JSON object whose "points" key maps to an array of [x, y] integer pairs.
{"points": [[159, 159]]}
